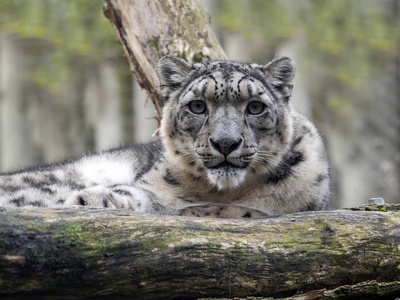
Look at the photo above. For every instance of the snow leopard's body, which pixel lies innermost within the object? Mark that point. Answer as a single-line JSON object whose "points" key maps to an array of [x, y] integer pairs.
{"points": [[231, 146]]}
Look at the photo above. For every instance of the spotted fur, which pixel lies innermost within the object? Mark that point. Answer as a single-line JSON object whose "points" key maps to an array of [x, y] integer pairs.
{"points": [[231, 146]]}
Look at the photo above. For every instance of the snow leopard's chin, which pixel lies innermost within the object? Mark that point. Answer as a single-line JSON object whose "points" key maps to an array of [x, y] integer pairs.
{"points": [[226, 177]]}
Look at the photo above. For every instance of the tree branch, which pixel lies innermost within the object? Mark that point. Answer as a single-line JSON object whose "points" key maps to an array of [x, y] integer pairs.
{"points": [[149, 30]]}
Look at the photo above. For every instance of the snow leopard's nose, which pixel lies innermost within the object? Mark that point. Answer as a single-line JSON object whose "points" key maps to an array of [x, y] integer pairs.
{"points": [[225, 146]]}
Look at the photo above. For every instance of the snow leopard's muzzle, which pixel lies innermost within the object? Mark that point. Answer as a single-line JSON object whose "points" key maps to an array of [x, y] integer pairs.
{"points": [[226, 149]]}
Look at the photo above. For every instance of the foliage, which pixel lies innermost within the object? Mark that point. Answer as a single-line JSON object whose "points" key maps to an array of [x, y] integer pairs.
{"points": [[351, 39], [75, 35], [256, 18], [358, 36]]}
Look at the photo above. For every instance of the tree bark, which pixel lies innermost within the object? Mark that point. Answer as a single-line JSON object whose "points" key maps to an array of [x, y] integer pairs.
{"points": [[149, 30], [83, 253]]}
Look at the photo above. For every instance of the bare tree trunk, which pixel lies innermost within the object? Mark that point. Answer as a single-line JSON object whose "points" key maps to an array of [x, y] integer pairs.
{"points": [[102, 107], [78, 254], [14, 148], [149, 30]]}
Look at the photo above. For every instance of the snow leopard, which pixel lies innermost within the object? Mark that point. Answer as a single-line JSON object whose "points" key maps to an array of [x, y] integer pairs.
{"points": [[231, 145]]}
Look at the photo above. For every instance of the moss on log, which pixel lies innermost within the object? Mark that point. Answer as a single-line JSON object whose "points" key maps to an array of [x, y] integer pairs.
{"points": [[87, 253]]}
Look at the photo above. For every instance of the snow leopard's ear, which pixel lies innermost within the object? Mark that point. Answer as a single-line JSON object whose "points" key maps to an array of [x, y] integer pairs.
{"points": [[280, 73], [173, 73]]}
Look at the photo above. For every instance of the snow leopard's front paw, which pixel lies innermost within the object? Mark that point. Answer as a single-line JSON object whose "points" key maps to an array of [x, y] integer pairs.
{"points": [[96, 196], [123, 197], [216, 211]]}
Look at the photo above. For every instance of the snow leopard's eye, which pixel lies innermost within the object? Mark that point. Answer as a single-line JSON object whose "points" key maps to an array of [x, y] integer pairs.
{"points": [[255, 108], [197, 107]]}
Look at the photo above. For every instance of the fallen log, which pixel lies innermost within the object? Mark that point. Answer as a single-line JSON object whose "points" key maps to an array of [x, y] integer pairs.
{"points": [[84, 253]]}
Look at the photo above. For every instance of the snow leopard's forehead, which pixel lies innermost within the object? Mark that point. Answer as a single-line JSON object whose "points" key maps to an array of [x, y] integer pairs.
{"points": [[225, 80], [177, 76], [227, 70]]}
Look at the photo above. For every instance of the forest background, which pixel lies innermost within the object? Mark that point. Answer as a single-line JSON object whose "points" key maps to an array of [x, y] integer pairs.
{"points": [[66, 88]]}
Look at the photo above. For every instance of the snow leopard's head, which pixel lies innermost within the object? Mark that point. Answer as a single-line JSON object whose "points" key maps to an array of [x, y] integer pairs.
{"points": [[226, 119]]}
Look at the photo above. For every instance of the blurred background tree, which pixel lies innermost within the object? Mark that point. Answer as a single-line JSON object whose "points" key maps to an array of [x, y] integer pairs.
{"points": [[66, 89]]}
